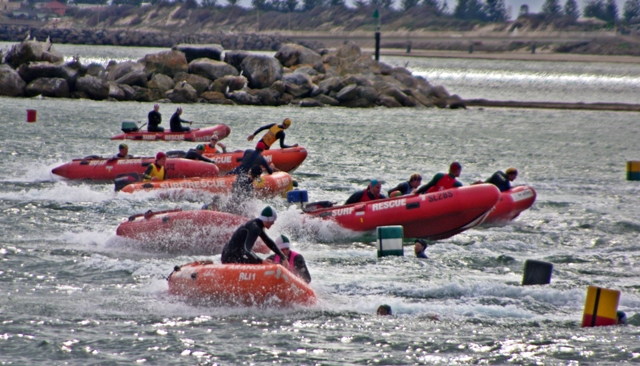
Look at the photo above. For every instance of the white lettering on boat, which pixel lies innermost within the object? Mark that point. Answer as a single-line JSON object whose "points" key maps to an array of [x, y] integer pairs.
{"points": [[343, 211], [198, 184], [129, 161], [522, 195], [222, 160], [148, 137], [174, 137], [97, 162], [268, 158], [388, 204], [247, 276]]}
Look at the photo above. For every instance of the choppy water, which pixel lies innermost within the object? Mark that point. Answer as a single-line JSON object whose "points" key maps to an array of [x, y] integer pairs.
{"points": [[74, 294]]}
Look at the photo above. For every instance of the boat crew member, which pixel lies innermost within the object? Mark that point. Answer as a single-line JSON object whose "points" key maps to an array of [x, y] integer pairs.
{"points": [[407, 187], [275, 132], [242, 189], [196, 154], [211, 147], [443, 181], [621, 318], [239, 249], [214, 205], [252, 158], [419, 248], [123, 152], [297, 265], [176, 122], [155, 118], [384, 310], [372, 192], [155, 170], [503, 180]]}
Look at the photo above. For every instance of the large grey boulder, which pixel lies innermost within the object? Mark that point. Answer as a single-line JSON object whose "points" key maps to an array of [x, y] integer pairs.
{"points": [[135, 77], [298, 85], [161, 82], [123, 68], [228, 83], [325, 99], [349, 50], [48, 87], [333, 84], [183, 93], [310, 102], [261, 71], [359, 80], [199, 83], [96, 70], [128, 91], [146, 95], [268, 96], [43, 69], [167, 62], [395, 93], [291, 54], [242, 97], [348, 93], [11, 84], [192, 52], [116, 92], [93, 87], [30, 51], [211, 69], [234, 58], [214, 97]]}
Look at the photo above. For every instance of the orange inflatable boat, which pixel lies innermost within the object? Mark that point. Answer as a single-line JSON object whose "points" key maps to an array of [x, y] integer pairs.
{"points": [[101, 169], [196, 134], [264, 285], [433, 216], [286, 160], [512, 202], [198, 232]]}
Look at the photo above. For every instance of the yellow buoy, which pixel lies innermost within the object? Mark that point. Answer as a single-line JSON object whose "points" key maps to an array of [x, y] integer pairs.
{"points": [[600, 307], [633, 170]]}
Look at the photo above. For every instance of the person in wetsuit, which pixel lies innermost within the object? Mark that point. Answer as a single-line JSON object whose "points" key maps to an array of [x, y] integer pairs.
{"points": [[155, 170], [196, 154], [176, 122], [443, 181], [297, 265], [123, 152], [407, 187], [252, 158], [242, 189], [275, 132], [372, 192], [239, 249], [155, 118], [503, 180], [419, 248]]}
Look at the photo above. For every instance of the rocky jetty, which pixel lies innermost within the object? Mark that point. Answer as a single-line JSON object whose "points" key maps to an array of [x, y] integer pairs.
{"points": [[297, 75]]}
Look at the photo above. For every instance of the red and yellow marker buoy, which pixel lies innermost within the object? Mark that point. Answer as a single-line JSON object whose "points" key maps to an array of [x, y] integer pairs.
{"points": [[600, 307]]}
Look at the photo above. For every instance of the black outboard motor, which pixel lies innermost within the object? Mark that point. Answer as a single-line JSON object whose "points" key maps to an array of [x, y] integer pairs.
{"points": [[129, 126], [124, 179]]}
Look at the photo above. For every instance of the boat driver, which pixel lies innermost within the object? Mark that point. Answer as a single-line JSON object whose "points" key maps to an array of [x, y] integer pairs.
{"points": [[372, 192]]}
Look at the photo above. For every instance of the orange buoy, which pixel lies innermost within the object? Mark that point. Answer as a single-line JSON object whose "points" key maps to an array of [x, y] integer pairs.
{"points": [[32, 115]]}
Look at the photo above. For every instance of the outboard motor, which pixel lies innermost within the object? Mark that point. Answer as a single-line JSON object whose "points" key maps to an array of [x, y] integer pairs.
{"points": [[129, 126]]}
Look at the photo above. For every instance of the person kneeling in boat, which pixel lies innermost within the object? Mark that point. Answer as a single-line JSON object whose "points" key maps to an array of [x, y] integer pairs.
{"points": [[443, 181], [419, 248], [196, 154], [503, 180], [176, 122], [211, 147], [155, 118], [252, 158], [297, 265], [371, 193], [242, 189], [408, 187], [123, 152], [276, 132], [239, 248], [155, 170]]}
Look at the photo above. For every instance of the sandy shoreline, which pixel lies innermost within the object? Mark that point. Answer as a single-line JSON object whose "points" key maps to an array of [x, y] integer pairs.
{"points": [[520, 56]]}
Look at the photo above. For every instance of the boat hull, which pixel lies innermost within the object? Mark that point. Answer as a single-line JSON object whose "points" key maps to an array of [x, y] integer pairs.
{"points": [[286, 160], [264, 285], [101, 169], [197, 134], [434, 216], [268, 185], [512, 202], [197, 232]]}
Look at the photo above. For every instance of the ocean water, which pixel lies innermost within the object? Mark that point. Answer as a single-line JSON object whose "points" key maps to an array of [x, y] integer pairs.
{"points": [[74, 294]]}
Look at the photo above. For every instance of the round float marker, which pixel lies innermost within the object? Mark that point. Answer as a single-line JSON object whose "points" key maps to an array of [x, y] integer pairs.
{"points": [[32, 115]]}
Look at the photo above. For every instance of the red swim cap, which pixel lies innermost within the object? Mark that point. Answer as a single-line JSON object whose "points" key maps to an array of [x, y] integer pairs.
{"points": [[260, 146], [160, 155]]}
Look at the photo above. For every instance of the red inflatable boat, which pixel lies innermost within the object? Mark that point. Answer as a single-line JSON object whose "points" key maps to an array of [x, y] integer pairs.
{"points": [[510, 205], [432, 216], [101, 169], [263, 285], [286, 160], [197, 232], [268, 185], [196, 134]]}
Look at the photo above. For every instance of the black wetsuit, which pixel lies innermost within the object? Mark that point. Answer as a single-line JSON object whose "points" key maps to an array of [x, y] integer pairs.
{"points": [[155, 118], [251, 158], [357, 197], [176, 124], [403, 188], [118, 156], [239, 248], [500, 180], [299, 265], [192, 154]]}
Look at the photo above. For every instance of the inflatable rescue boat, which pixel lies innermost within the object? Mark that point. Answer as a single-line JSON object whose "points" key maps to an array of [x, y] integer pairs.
{"points": [[101, 169], [264, 285], [437, 215], [286, 160], [512, 202], [196, 134], [197, 232], [268, 185]]}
